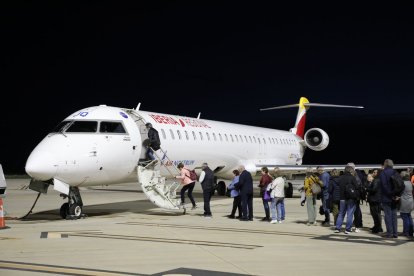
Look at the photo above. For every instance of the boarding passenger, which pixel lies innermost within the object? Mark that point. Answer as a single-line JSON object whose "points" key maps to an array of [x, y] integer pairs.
{"points": [[389, 205], [357, 213], [334, 193], [245, 185], [188, 185], [348, 197], [407, 205], [374, 200], [265, 180], [235, 194], [154, 141], [277, 194], [207, 183], [325, 177], [311, 179]]}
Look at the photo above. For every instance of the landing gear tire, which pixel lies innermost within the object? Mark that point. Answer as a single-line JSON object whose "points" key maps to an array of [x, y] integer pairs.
{"points": [[75, 210], [64, 210], [221, 188]]}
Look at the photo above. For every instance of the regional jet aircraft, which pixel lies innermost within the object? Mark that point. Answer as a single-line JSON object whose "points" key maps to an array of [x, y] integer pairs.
{"points": [[103, 145]]}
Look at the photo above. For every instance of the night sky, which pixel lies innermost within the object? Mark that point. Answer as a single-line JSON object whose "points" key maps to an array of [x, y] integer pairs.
{"points": [[223, 61]]}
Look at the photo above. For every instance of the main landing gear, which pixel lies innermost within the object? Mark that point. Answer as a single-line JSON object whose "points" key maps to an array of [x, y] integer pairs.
{"points": [[73, 208]]}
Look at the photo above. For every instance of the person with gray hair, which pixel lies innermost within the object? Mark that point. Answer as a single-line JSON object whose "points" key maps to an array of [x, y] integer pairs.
{"points": [[245, 185], [389, 205], [207, 184], [407, 205]]}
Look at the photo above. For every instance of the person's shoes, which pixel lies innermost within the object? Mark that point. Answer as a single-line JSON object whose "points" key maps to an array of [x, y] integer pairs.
{"points": [[244, 219], [315, 223], [238, 217], [279, 221], [395, 236], [337, 231], [326, 223], [251, 219], [380, 230], [265, 219], [194, 207], [231, 216], [208, 216], [273, 221], [347, 232], [386, 236], [308, 224], [357, 230], [372, 228]]}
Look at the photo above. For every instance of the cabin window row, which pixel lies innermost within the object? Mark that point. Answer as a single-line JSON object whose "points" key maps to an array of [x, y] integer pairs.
{"points": [[234, 138]]}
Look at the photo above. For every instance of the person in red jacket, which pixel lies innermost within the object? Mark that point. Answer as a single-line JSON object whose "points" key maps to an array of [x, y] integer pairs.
{"points": [[264, 181]]}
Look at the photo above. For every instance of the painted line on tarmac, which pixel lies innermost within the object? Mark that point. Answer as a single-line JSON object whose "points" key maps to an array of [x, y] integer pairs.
{"points": [[223, 229], [165, 240], [60, 270]]}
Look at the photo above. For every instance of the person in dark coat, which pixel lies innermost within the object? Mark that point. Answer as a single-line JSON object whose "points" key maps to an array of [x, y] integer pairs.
{"points": [[153, 141], [374, 200], [207, 184], [334, 193], [245, 185], [347, 202], [388, 204]]}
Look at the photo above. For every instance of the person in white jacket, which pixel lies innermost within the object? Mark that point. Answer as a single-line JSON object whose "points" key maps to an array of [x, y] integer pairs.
{"points": [[277, 193]]}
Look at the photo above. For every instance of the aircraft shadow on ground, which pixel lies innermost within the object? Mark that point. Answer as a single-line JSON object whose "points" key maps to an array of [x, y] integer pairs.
{"points": [[114, 209]]}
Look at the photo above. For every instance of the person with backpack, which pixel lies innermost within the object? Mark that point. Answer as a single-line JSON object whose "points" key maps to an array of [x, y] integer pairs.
{"points": [[153, 142], [389, 204], [348, 195], [407, 205], [312, 186], [334, 193], [188, 185], [265, 180], [325, 177], [374, 200]]}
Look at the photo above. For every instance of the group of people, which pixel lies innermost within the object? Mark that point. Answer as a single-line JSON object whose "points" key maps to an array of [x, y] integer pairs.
{"points": [[341, 193]]}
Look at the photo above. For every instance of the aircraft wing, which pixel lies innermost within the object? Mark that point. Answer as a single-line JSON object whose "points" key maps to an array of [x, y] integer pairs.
{"points": [[301, 169]]}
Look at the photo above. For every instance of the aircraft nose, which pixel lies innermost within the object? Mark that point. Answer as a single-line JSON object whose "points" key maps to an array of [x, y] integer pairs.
{"points": [[41, 165]]}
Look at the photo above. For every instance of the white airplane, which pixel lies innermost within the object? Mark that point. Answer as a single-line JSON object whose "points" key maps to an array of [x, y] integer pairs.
{"points": [[103, 145]]}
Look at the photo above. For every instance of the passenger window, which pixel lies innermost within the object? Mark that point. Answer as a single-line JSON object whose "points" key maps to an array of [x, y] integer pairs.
{"points": [[227, 139], [258, 139], [264, 141], [179, 134], [163, 134], [237, 140], [245, 138], [208, 136], [83, 126], [214, 137], [201, 136], [231, 137], [250, 138], [172, 134], [195, 136], [254, 139], [111, 127], [270, 141], [186, 134], [221, 138]]}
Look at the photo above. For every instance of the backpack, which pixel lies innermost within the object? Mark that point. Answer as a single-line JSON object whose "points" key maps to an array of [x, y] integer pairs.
{"points": [[193, 175], [315, 187], [397, 184], [351, 192]]}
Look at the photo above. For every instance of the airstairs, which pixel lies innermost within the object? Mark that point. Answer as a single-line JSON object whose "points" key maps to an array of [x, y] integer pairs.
{"points": [[154, 186]]}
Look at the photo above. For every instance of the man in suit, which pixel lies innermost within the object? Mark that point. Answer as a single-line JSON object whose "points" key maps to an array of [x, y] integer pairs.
{"points": [[245, 185]]}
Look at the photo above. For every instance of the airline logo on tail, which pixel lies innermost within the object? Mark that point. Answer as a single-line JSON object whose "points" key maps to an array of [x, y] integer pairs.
{"points": [[304, 105]]}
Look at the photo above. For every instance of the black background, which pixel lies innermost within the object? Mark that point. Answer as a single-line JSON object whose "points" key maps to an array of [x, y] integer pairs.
{"points": [[225, 61]]}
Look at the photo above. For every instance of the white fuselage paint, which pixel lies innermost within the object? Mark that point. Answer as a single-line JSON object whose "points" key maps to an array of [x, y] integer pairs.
{"points": [[89, 159]]}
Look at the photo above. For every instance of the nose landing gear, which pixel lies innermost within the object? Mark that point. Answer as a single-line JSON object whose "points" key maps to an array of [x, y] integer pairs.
{"points": [[73, 208]]}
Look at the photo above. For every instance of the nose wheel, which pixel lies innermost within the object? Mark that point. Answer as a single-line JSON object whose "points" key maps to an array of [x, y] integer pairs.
{"points": [[73, 208]]}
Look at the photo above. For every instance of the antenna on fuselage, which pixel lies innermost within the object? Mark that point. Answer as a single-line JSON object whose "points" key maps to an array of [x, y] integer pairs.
{"points": [[199, 114], [138, 106]]}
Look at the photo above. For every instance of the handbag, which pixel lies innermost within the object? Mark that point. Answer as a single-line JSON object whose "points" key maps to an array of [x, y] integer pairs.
{"points": [[266, 196]]}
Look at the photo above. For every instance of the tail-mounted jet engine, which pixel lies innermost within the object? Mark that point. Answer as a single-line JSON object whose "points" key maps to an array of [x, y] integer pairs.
{"points": [[316, 139]]}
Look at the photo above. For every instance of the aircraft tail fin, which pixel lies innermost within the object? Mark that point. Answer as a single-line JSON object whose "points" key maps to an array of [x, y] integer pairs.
{"points": [[304, 104]]}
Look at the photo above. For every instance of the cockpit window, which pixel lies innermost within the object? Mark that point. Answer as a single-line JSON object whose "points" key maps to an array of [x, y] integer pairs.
{"points": [[111, 127], [83, 126], [61, 126]]}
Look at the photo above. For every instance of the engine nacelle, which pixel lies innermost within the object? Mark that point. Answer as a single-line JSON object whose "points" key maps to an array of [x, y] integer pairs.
{"points": [[316, 139]]}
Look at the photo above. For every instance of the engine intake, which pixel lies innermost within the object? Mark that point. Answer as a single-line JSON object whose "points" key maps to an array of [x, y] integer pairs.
{"points": [[316, 139]]}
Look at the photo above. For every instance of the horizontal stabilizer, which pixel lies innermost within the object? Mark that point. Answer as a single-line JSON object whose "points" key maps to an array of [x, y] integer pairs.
{"points": [[311, 104]]}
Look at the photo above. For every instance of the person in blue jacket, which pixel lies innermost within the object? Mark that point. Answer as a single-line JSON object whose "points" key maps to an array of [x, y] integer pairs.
{"points": [[234, 193]]}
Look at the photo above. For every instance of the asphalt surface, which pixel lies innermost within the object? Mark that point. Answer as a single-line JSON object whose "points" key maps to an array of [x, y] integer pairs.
{"points": [[124, 234]]}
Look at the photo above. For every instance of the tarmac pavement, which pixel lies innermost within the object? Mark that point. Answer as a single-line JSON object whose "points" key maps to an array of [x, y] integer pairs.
{"points": [[125, 234]]}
